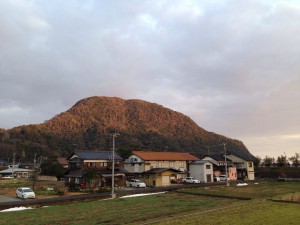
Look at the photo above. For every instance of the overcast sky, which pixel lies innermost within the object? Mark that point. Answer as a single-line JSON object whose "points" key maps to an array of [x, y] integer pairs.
{"points": [[232, 66]]}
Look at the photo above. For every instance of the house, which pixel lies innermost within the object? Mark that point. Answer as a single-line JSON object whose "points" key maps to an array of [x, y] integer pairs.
{"points": [[16, 172], [94, 169], [202, 170], [220, 164], [160, 176], [141, 162], [244, 166]]}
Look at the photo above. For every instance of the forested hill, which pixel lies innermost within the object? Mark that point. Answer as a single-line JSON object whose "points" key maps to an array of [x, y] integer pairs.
{"points": [[89, 123]]}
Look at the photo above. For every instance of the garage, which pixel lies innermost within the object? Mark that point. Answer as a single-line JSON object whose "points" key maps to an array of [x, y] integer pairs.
{"points": [[165, 180]]}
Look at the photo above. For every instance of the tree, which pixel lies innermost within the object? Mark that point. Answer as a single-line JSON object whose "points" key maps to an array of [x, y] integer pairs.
{"points": [[52, 168], [258, 161], [268, 161], [295, 160], [37, 169], [282, 161], [90, 175]]}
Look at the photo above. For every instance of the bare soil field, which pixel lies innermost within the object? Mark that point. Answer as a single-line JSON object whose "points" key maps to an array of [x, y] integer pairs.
{"points": [[8, 188]]}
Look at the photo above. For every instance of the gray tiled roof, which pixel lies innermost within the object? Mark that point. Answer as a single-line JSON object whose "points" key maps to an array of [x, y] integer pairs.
{"points": [[159, 170], [89, 155], [217, 157], [200, 162]]}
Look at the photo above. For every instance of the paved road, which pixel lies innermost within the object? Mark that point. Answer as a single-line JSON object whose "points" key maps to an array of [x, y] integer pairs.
{"points": [[4, 198]]}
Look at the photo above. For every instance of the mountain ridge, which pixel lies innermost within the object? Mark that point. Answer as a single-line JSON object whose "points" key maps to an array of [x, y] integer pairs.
{"points": [[141, 124]]}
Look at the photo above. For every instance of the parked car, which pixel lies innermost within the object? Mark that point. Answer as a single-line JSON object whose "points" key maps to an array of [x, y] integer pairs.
{"points": [[135, 183], [25, 192], [224, 178], [217, 179], [190, 180]]}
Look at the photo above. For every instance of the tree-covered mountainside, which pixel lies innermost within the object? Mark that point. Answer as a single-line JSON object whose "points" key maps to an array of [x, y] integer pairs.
{"points": [[89, 123]]}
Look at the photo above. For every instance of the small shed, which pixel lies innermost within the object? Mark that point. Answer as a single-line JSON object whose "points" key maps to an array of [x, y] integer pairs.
{"points": [[160, 176], [202, 170]]}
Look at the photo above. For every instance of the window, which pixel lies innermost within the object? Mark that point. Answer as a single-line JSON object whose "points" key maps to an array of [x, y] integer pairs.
{"points": [[250, 164], [208, 167]]}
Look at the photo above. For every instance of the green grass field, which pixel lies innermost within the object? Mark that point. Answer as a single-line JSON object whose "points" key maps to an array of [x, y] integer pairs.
{"points": [[182, 207]]}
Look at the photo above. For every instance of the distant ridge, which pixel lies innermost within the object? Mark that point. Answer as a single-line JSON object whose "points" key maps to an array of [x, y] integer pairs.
{"points": [[141, 125]]}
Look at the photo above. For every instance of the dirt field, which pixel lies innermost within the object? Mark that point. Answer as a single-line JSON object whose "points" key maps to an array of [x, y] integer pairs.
{"points": [[8, 187]]}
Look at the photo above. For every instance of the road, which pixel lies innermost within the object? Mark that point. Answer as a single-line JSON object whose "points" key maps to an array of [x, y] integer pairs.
{"points": [[4, 198]]}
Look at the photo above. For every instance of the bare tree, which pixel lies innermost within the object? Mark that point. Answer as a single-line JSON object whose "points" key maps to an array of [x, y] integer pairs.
{"points": [[37, 168]]}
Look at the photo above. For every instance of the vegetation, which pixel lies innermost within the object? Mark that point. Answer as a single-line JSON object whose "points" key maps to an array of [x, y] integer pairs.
{"points": [[89, 122], [293, 197], [186, 207]]}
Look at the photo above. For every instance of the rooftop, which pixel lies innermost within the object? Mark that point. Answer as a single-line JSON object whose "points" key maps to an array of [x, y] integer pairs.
{"points": [[178, 156]]}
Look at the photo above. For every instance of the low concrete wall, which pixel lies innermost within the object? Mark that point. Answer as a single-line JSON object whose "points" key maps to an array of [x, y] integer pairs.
{"points": [[46, 178]]}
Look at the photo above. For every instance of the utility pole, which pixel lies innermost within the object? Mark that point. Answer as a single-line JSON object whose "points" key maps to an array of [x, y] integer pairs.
{"points": [[113, 195], [226, 164], [13, 166]]}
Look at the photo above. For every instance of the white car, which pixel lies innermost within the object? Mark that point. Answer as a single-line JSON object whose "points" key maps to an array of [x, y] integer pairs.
{"points": [[190, 180], [224, 178], [135, 183], [25, 192]]}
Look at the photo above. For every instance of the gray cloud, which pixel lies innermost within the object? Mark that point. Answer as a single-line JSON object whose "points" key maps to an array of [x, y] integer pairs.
{"points": [[231, 66]]}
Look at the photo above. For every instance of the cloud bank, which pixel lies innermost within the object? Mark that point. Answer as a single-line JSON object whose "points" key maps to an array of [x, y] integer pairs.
{"points": [[232, 66]]}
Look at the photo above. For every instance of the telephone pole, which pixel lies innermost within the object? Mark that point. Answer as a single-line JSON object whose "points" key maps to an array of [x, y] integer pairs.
{"points": [[113, 195], [226, 164]]}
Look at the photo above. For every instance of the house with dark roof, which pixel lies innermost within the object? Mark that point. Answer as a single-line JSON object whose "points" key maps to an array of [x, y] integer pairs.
{"points": [[141, 162], [93, 169], [238, 167]]}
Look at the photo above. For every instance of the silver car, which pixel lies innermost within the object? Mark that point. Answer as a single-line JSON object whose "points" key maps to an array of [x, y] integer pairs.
{"points": [[25, 192], [191, 180]]}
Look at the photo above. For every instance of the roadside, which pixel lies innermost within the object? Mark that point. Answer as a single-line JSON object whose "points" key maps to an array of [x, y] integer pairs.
{"points": [[4, 198], [8, 189]]}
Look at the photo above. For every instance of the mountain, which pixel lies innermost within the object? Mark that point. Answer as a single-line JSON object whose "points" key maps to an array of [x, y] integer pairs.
{"points": [[141, 126]]}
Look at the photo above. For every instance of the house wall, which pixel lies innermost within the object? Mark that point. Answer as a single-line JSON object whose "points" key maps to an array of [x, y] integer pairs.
{"points": [[201, 171], [250, 170], [179, 165], [134, 164], [232, 173], [159, 179]]}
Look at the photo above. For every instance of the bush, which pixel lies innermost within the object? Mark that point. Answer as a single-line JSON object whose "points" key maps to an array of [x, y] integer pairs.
{"points": [[60, 192]]}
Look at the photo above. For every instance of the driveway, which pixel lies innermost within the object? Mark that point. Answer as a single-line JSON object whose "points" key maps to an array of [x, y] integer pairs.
{"points": [[4, 198]]}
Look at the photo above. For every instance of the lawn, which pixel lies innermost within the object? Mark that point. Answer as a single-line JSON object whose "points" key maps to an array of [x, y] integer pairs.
{"points": [[182, 207]]}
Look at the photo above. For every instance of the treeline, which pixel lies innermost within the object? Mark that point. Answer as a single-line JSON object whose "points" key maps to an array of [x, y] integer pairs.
{"points": [[280, 161]]}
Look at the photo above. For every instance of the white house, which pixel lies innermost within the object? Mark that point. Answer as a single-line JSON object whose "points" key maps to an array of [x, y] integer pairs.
{"points": [[202, 170]]}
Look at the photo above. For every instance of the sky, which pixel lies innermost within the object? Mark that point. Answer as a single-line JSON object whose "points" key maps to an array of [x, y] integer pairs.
{"points": [[231, 66]]}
